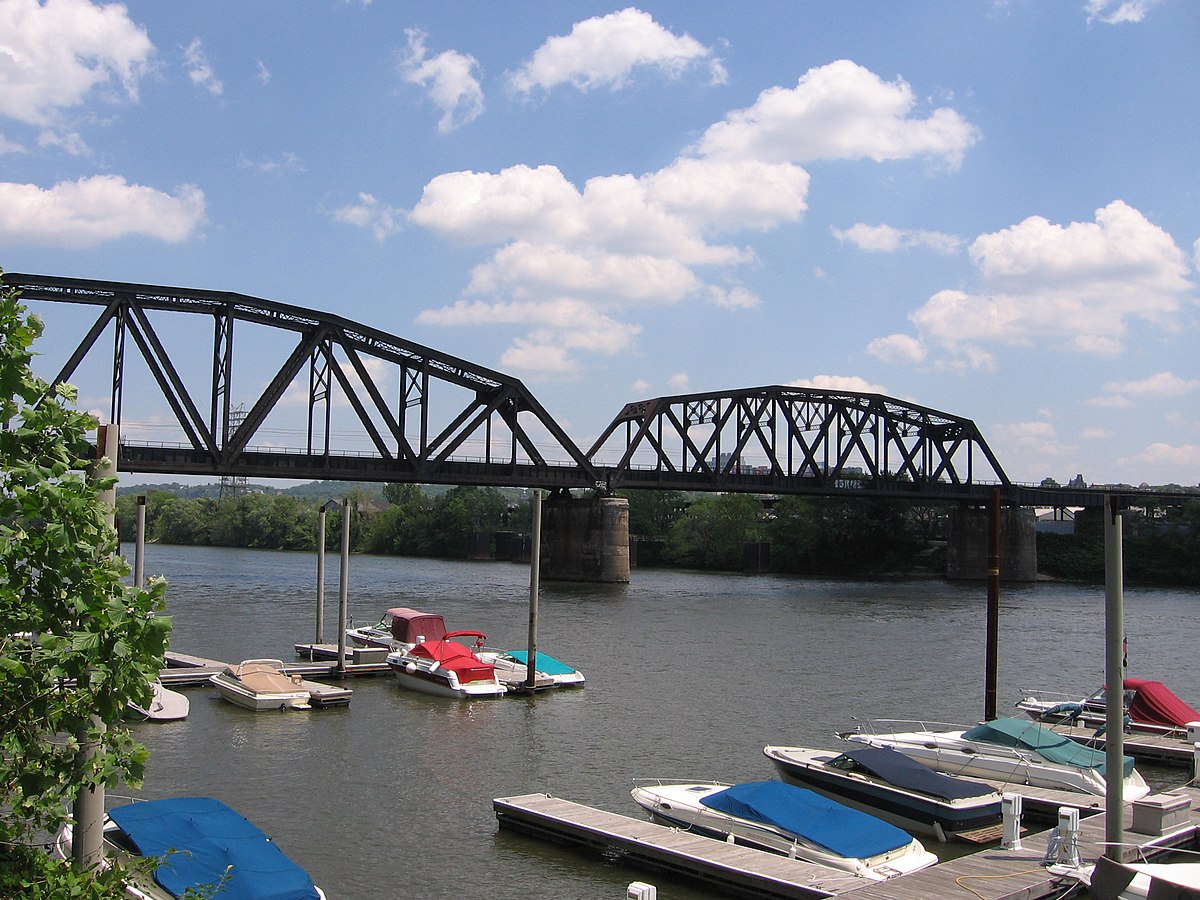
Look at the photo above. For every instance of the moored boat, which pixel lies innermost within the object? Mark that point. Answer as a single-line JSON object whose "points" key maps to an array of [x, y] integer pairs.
{"points": [[887, 784], [400, 628], [783, 818], [202, 848], [261, 684], [512, 668], [1111, 880], [165, 705], [1150, 706], [446, 668], [1008, 750]]}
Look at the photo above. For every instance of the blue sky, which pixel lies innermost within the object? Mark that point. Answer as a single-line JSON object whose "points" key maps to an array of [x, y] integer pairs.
{"points": [[988, 208]]}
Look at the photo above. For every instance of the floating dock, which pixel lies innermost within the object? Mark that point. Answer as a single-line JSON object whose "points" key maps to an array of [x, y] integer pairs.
{"points": [[1165, 749], [736, 870]]}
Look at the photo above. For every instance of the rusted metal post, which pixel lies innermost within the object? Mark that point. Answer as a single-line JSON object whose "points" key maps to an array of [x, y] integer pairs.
{"points": [[320, 635], [139, 546], [344, 589]]}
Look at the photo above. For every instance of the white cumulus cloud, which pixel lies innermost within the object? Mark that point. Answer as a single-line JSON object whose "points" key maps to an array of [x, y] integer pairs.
{"points": [[94, 210], [604, 51], [886, 239], [1117, 12], [623, 243], [368, 212], [449, 80], [56, 54], [839, 111], [1078, 285], [839, 383], [195, 63]]}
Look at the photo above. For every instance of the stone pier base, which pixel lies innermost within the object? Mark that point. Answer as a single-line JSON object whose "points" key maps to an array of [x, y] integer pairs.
{"points": [[585, 538], [967, 552]]}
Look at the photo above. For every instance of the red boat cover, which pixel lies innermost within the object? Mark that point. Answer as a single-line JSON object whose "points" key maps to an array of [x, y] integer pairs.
{"points": [[1154, 704], [410, 624], [456, 658]]}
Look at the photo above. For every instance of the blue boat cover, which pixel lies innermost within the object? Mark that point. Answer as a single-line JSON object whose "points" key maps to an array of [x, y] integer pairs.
{"points": [[804, 814], [545, 663], [1022, 733], [897, 769], [199, 838]]}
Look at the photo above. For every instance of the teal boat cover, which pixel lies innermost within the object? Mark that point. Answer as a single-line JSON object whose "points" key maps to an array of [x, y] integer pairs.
{"points": [[810, 816], [199, 839], [1024, 734], [545, 663]]}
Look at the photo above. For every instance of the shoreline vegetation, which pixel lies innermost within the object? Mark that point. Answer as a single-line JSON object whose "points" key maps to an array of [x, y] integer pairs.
{"points": [[860, 537]]}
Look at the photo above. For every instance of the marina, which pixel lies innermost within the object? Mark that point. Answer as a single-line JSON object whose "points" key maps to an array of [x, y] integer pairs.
{"points": [[408, 776]]}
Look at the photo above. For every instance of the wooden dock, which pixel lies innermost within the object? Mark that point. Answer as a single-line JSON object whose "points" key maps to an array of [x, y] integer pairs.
{"points": [[1165, 749], [735, 870]]}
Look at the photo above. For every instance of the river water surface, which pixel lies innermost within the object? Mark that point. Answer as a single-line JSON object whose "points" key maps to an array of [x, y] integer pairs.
{"points": [[689, 675]]}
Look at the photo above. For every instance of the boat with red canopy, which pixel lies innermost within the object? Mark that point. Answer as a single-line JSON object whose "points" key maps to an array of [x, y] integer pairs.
{"points": [[401, 628], [1149, 706], [446, 668]]}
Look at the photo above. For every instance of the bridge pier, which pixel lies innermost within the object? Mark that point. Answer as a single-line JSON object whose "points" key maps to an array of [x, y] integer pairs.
{"points": [[585, 538], [967, 552]]}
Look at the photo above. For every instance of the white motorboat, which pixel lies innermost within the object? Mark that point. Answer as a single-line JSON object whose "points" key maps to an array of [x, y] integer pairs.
{"points": [[512, 668], [887, 784], [400, 628], [165, 705], [446, 668], [1107, 879], [1150, 706], [203, 848], [1008, 750], [783, 818], [260, 684]]}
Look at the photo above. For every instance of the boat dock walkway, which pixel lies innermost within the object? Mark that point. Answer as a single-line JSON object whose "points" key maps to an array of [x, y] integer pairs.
{"points": [[1166, 749], [990, 874]]}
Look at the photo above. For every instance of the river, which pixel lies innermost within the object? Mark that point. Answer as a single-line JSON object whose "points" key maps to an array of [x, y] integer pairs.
{"points": [[689, 675]]}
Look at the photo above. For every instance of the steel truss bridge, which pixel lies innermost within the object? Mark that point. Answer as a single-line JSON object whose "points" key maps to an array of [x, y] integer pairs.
{"points": [[225, 371]]}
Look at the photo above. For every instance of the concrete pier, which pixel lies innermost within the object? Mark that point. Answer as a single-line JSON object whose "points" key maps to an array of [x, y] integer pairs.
{"points": [[585, 538], [967, 552]]}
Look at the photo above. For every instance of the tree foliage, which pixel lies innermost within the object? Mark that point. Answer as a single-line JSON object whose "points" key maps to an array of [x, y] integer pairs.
{"points": [[77, 644]]}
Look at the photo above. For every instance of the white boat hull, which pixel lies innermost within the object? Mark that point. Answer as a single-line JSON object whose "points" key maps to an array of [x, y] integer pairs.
{"points": [[259, 685], [950, 752], [442, 688], [165, 706]]}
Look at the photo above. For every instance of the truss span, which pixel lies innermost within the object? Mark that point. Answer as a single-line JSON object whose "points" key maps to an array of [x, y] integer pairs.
{"points": [[357, 403], [412, 413], [798, 440]]}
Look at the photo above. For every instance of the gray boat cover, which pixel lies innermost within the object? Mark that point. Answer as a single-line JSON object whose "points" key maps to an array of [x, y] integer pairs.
{"points": [[1022, 733], [897, 769]]}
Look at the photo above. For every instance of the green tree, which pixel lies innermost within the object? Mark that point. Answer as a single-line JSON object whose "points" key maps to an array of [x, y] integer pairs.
{"points": [[77, 643], [714, 531], [652, 513]]}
